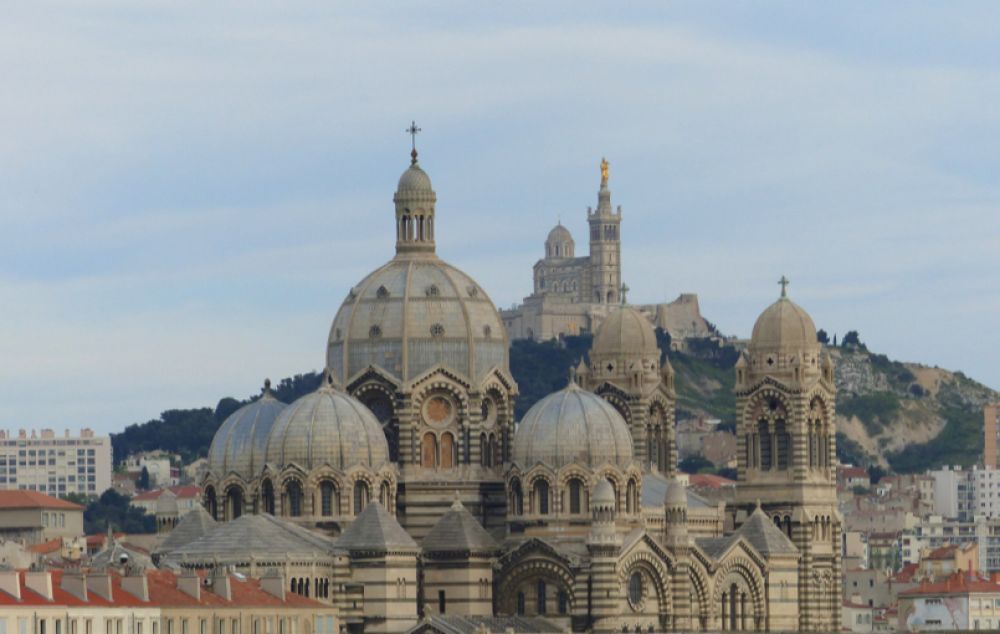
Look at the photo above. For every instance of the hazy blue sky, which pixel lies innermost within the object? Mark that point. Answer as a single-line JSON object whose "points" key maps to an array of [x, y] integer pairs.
{"points": [[189, 189]]}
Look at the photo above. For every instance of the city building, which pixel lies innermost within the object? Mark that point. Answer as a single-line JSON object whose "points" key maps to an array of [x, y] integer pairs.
{"points": [[991, 435], [44, 462], [574, 294], [954, 494], [36, 517], [401, 487], [157, 464], [943, 561], [962, 601], [188, 498], [131, 601]]}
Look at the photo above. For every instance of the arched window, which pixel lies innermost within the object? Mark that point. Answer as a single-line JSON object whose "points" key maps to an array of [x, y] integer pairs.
{"points": [[492, 450], [635, 589], [516, 497], [542, 496], [447, 450], [520, 604], [360, 496], [428, 451], [563, 602], [540, 596], [631, 497], [211, 505], [575, 496], [782, 440], [764, 432], [234, 502], [327, 496], [384, 495], [483, 453], [267, 496], [293, 493]]}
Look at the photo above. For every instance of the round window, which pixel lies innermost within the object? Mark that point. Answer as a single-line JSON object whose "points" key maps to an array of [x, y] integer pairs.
{"points": [[438, 410], [489, 412]]}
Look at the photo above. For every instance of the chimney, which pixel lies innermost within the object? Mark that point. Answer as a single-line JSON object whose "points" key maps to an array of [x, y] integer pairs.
{"points": [[222, 583], [135, 583], [10, 583], [75, 583], [273, 583], [100, 584], [39, 582], [189, 583]]}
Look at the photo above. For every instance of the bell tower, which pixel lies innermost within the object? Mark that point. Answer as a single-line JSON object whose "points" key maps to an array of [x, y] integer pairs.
{"points": [[786, 450], [605, 246]]}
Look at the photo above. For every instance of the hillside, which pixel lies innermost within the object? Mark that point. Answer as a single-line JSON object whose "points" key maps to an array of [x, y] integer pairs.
{"points": [[901, 415]]}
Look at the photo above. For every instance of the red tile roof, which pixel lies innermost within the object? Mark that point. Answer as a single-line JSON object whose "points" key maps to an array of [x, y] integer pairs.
{"points": [[709, 481], [20, 499], [958, 583], [853, 472], [944, 552], [47, 548], [163, 591], [906, 574], [182, 492]]}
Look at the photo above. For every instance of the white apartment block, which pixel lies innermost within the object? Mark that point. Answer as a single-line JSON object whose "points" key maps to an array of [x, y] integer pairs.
{"points": [[954, 495], [986, 492], [56, 465]]}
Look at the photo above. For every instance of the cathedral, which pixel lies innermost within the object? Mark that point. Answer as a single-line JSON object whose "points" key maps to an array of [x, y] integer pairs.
{"points": [[404, 492]]}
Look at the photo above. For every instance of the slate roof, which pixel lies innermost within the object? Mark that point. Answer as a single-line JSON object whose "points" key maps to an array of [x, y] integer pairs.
{"points": [[654, 489], [193, 526], [714, 546], [375, 530], [458, 531], [258, 536], [764, 536], [471, 624]]}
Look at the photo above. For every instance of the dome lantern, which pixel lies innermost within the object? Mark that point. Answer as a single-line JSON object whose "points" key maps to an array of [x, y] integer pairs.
{"points": [[414, 200]]}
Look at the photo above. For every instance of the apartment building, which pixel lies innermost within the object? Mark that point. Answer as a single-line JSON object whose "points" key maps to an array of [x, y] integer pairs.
{"points": [[44, 462]]}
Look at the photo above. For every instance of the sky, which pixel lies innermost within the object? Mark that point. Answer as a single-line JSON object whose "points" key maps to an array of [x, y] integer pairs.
{"points": [[188, 190]]}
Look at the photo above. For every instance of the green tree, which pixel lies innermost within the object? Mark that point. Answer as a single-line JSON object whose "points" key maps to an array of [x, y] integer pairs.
{"points": [[696, 463], [143, 481], [852, 340], [113, 509], [822, 337]]}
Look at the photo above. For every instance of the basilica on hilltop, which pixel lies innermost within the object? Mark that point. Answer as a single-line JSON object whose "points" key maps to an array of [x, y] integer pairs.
{"points": [[573, 294], [404, 492]]}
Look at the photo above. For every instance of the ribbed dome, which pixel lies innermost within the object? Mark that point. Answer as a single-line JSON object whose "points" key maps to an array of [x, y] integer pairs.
{"points": [[572, 426], [626, 332], [414, 179], [604, 494], [559, 233], [327, 427], [783, 324], [425, 306], [238, 445]]}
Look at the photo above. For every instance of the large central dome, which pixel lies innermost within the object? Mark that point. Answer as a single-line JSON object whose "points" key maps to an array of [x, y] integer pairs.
{"points": [[416, 311]]}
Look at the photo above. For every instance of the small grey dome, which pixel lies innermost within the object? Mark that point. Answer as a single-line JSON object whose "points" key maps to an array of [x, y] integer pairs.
{"points": [[238, 445], [604, 494], [572, 426], [559, 234], [675, 496], [783, 324], [414, 179], [166, 504], [327, 427], [626, 331]]}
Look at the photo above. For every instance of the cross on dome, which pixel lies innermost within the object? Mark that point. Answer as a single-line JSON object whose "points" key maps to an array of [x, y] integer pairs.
{"points": [[783, 282], [413, 131]]}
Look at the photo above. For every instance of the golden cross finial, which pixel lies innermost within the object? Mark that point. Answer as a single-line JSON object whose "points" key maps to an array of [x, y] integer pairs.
{"points": [[604, 171], [784, 285], [413, 131]]}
